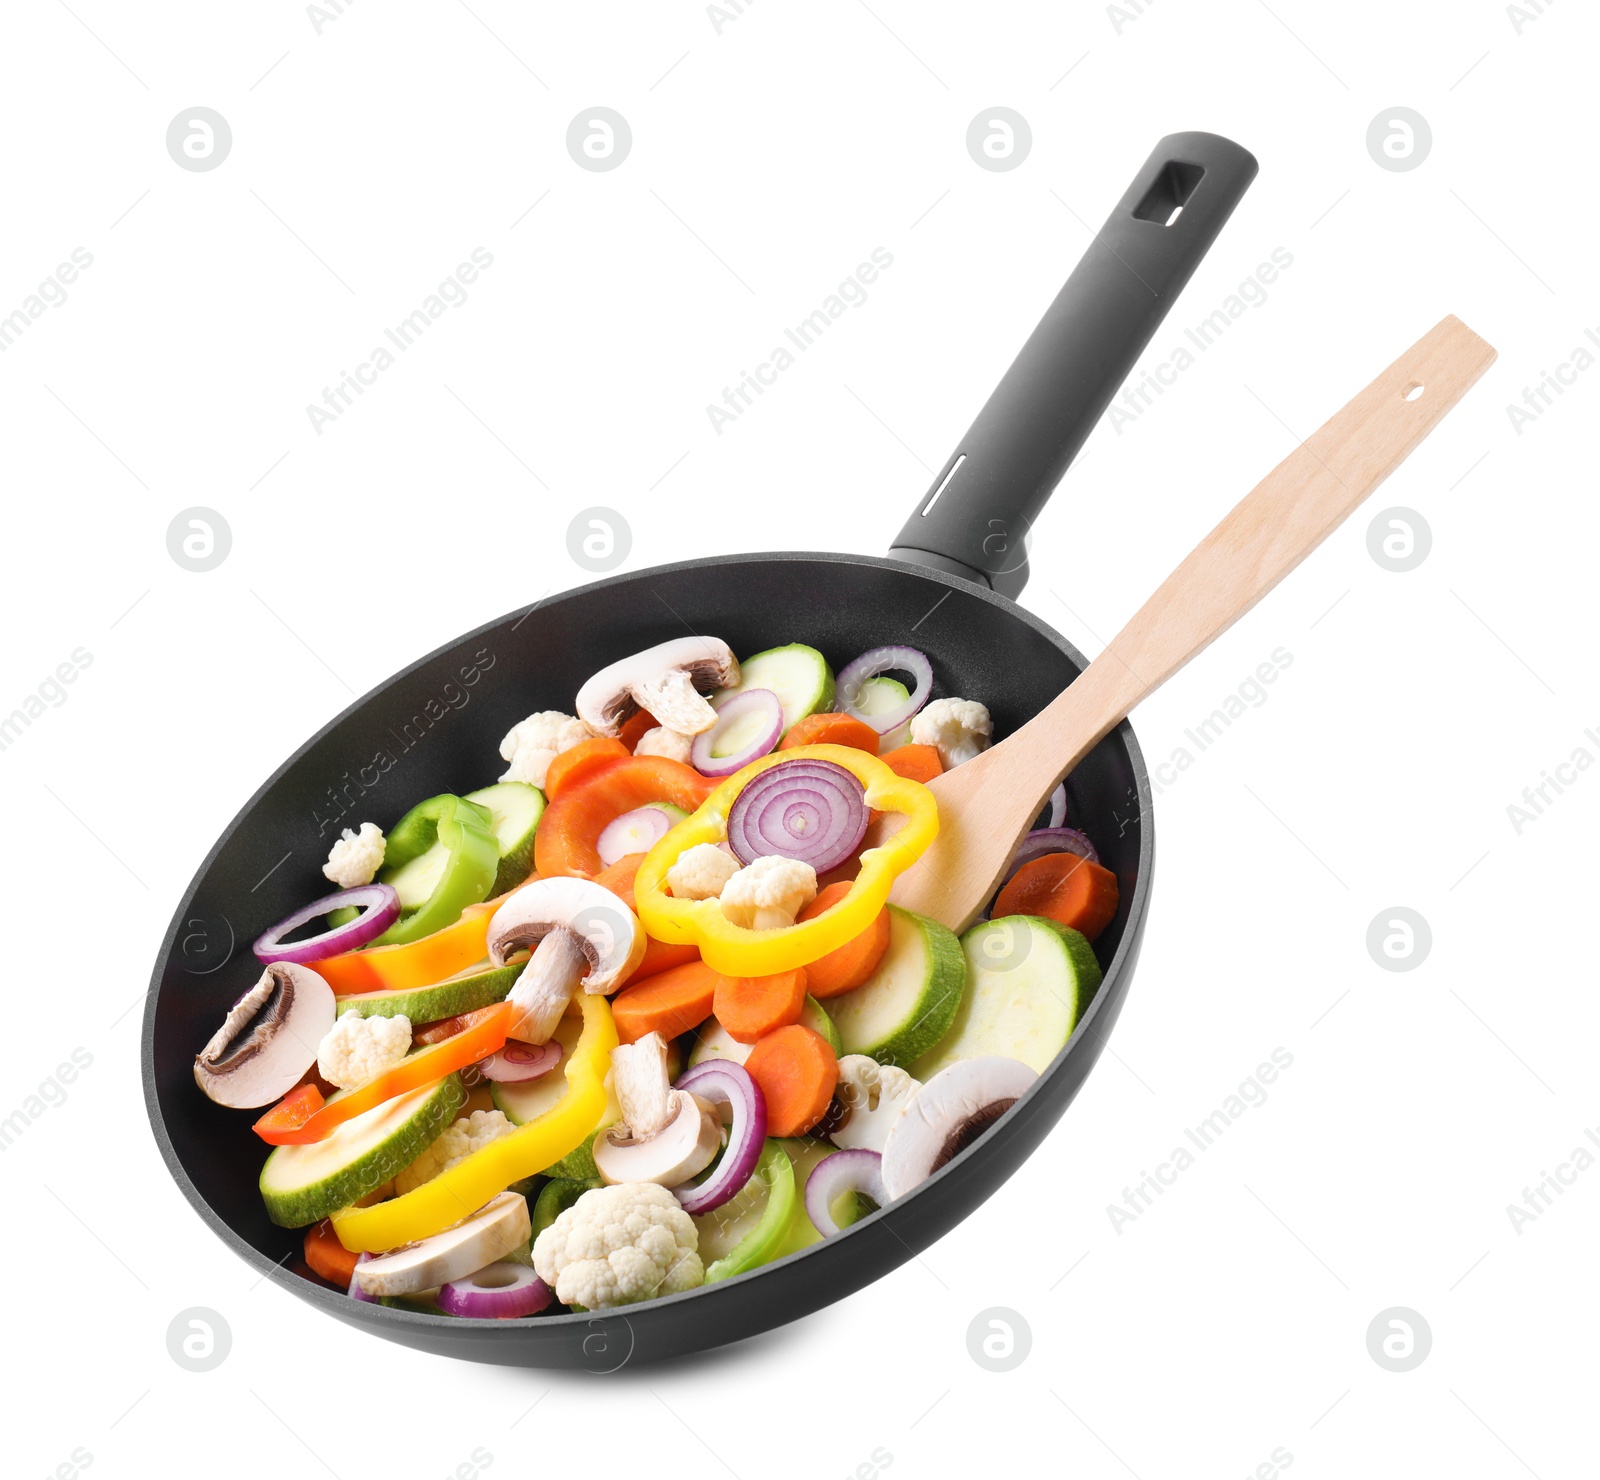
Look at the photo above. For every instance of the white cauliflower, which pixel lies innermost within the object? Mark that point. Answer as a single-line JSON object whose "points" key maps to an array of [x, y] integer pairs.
{"points": [[665, 742], [619, 1244], [531, 744], [958, 728], [872, 1096], [356, 1049], [355, 858], [769, 892], [470, 1133], [701, 872]]}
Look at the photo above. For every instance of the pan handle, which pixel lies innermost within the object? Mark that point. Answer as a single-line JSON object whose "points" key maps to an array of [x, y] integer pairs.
{"points": [[975, 518]]}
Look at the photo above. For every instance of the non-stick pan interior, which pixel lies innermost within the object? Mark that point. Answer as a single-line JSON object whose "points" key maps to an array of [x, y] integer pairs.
{"points": [[436, 727]]}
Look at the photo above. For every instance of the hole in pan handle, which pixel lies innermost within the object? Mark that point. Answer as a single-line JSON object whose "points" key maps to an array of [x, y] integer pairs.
{"points": [[975, 518]]}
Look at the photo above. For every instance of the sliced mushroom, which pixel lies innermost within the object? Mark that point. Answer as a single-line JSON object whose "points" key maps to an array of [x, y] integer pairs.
{"points": [[268, 1040], [665, 1135], [947, 1115], [498, 1227], [668, 680], [583, 935]]}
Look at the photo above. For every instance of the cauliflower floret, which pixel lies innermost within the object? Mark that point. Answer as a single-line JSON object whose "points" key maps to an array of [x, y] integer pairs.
{"points": [[533, 743], [769, 892], [958, 728], [470, 1133], [358, 1049], [619, 1244], [701, 872], [872, 1096], [662, 741], [355, 858]]}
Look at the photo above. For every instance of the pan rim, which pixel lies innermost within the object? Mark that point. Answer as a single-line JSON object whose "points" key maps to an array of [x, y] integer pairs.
{"points": [[330, 1300]]}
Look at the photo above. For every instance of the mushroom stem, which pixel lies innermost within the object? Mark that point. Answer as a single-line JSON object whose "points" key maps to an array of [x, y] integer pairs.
{"points": [[675, 701], [639, 1078], [546, 987]]}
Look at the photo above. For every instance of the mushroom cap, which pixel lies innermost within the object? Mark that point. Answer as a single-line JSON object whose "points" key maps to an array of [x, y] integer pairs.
{"points": [[491, 1233], [948, 1113], [684, 1147], [610, 934], [664, 680], [268, 1040]]}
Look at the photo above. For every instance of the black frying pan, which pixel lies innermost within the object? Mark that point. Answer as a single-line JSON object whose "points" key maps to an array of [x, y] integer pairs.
{"points": [[434, 727]]}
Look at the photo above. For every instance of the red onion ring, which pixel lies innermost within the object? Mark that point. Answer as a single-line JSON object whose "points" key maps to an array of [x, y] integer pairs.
{"points": [[517, 1063], [833, 1176], [1051, 840], [760, 702], [812, 811], [739, 1099], [355, 1292], [615, 840], [885, 660], [497, 1292], [379, 906]]}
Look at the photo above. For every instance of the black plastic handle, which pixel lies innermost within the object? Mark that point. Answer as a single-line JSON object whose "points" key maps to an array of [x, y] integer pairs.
{"points": [[975, 519]]}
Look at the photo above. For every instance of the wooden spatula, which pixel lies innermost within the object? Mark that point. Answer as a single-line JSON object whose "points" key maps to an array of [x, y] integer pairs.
{"points": [[987, 804]]}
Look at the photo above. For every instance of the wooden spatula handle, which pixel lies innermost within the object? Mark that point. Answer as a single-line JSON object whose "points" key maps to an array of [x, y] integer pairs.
{"points": [[1281, 521]]}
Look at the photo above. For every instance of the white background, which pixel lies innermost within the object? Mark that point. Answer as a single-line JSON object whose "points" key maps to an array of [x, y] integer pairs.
{"points": [[768, 160]]}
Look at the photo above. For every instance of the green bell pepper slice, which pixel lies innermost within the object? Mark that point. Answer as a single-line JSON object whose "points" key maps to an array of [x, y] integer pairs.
{"points": [[765, 1240], [462, 829], [556, 1196]]}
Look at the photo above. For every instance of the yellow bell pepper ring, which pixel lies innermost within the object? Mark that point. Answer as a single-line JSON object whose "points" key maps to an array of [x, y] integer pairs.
{"points": [[732, 949], [456, 1194]]}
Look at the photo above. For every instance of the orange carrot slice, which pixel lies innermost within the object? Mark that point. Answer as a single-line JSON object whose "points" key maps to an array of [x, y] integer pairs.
{"points": [[914, 762], [669, 1003], [831, 729], [750, 1007], [1064, 888], [845, 969], [797, 1072], [328, 1258], [658, 955]]}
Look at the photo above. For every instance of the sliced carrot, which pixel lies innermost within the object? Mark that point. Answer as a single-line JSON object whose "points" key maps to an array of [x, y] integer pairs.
{"points": [[669, 1003], [292, 1111], [752, 1006], [658, 955], [632, 732], [914, 762], [844, 969], [328, 1258], [585, 759], [831, 729], [797, 1072], [569, 832], [1064, 888]]}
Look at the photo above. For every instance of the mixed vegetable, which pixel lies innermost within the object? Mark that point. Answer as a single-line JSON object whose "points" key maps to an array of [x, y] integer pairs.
{"points": [[639, 1016]]}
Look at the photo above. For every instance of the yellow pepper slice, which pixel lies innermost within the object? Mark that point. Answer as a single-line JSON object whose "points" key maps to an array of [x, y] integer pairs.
{"points": [[736, 951], [457, 1193]]}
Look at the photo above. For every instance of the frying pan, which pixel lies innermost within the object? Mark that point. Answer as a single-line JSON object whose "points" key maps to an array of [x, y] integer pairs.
{"points": [[434, 727]]}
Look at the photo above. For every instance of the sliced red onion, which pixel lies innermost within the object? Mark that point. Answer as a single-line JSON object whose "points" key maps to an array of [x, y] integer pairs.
{"points": [[738, 1099], [885, 660], [379, 906], [1058, 806], [355, 1292], [517, 1063], [757, 711], [637, 831], [812, 811], [833, 1176], [497, 1292], [1051, 840]]}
